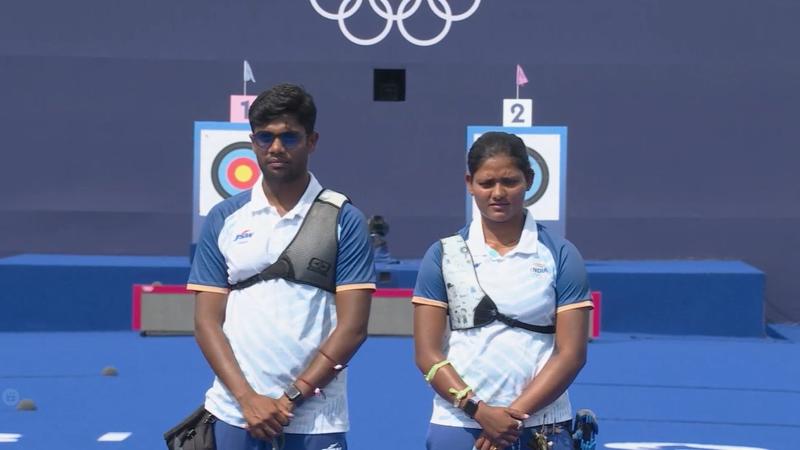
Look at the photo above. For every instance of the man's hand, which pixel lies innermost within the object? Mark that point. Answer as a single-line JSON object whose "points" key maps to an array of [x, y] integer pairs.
{"points": [[265, 416], [501, 426], [287, 404]]}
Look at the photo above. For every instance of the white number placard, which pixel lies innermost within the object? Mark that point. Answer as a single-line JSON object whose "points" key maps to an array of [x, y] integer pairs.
{"points": [[517, 112]]}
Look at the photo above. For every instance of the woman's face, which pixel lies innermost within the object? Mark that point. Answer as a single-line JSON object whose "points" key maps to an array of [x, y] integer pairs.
{"points": [[499, 188]]}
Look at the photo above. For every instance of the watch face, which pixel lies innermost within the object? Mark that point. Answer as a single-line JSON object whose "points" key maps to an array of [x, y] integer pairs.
{"points": [[293, 393], [470, 408]]}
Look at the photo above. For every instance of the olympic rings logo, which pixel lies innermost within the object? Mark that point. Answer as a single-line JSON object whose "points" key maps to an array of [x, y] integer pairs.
{"points": [[407, 8]]}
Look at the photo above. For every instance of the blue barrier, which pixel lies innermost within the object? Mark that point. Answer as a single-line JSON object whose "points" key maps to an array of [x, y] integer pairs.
{"points": [[78, 292], [71, 292], [704, 297]]}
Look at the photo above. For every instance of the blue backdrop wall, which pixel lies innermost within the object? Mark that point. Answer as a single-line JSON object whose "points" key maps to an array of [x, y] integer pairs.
{"points": [[681, 118]]}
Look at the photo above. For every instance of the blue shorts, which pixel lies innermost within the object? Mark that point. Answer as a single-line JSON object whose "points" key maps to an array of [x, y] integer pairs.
{"points": [[229, 437], [442, 437]]}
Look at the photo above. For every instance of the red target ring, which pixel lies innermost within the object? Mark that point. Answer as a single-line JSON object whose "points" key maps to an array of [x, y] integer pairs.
{"points": [[234, 169], [242, 173]]}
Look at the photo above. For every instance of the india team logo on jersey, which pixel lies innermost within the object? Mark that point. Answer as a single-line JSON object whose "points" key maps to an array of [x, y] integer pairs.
{"points": [[539, 268]]}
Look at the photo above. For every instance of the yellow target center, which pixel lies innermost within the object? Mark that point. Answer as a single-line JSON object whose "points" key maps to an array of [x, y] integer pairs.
{"points": [[243, 173]]}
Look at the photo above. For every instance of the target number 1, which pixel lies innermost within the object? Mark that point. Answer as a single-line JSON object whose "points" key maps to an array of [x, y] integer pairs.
{"points": [[240, 105], [517, 112]]}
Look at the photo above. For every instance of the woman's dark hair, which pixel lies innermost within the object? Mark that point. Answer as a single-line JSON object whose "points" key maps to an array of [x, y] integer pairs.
{"points": [[496, 143], [280, 100]]}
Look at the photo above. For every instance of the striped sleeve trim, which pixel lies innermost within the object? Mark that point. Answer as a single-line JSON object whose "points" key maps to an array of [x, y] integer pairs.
{"points": [[353, 287], [429, 302], [584, 304], [203, 288]]}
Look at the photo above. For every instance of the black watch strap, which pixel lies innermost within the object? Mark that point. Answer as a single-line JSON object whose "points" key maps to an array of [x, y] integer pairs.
{"points": [[470, 407]]}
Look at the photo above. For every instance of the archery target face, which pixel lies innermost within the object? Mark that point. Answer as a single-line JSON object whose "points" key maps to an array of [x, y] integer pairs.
{"points": [[541, 177], [234, 169], [227, 166], [543, 199]]}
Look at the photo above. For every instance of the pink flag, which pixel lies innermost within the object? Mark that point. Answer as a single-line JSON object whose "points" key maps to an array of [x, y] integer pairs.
{"points": [[521, 78]]}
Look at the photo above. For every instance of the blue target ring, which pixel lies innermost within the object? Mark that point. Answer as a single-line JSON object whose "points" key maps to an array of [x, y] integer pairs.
{"points": [[221, 167], [541, 177]]}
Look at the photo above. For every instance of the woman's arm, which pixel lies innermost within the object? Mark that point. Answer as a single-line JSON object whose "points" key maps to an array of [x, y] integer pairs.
{"points": [[568, 358], [500, 425], [429, 327]]}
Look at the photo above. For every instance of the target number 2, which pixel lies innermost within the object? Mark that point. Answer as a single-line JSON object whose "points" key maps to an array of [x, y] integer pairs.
{"points": [[517, 112]]}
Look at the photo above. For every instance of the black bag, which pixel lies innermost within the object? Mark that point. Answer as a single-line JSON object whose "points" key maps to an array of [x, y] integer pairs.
{"points": [[195, 432]]}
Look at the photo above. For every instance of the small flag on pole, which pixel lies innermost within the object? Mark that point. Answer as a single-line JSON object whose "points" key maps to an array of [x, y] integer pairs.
{"points": [[521, 78], [248, 76]]}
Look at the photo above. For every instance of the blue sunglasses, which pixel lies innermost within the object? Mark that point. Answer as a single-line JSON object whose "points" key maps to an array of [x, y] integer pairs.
{"points": [[289, 139]]}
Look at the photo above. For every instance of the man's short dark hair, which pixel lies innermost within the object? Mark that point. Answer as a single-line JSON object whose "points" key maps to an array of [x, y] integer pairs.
{"points": [[280, 100]]}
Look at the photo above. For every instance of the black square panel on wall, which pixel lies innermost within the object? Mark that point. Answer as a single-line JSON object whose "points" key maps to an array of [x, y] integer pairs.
{"points": [[389, 85]]}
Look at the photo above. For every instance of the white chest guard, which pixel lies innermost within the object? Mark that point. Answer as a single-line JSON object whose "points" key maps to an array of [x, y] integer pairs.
{"points": [[467, 303]]}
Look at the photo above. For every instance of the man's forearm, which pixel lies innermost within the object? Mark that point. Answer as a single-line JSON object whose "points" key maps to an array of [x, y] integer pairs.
{"points": [[332, 357], [352, 310], [219, 354]]}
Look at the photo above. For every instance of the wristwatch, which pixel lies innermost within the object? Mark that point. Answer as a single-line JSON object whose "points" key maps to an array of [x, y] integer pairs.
{"points": [[471, 407], [293, 394]]}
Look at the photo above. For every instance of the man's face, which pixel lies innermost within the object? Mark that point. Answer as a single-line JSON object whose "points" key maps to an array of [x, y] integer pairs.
{"points": [[282, 148]]}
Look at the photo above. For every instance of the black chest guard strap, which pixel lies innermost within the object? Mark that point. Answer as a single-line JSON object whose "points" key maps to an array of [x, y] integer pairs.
{"points": [[487, 312], [311, 256]]}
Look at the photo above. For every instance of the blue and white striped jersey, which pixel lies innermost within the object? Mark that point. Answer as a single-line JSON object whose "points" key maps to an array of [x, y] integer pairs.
{"points": [[275, 327], [544, 274]]}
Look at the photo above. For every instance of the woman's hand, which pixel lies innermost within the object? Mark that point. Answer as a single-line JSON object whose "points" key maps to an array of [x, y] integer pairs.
{"points": [[501, 426]]}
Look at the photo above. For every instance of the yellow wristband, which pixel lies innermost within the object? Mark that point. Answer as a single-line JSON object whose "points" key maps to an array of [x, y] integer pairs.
{"points": [[435, 368], [459, 395]]}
